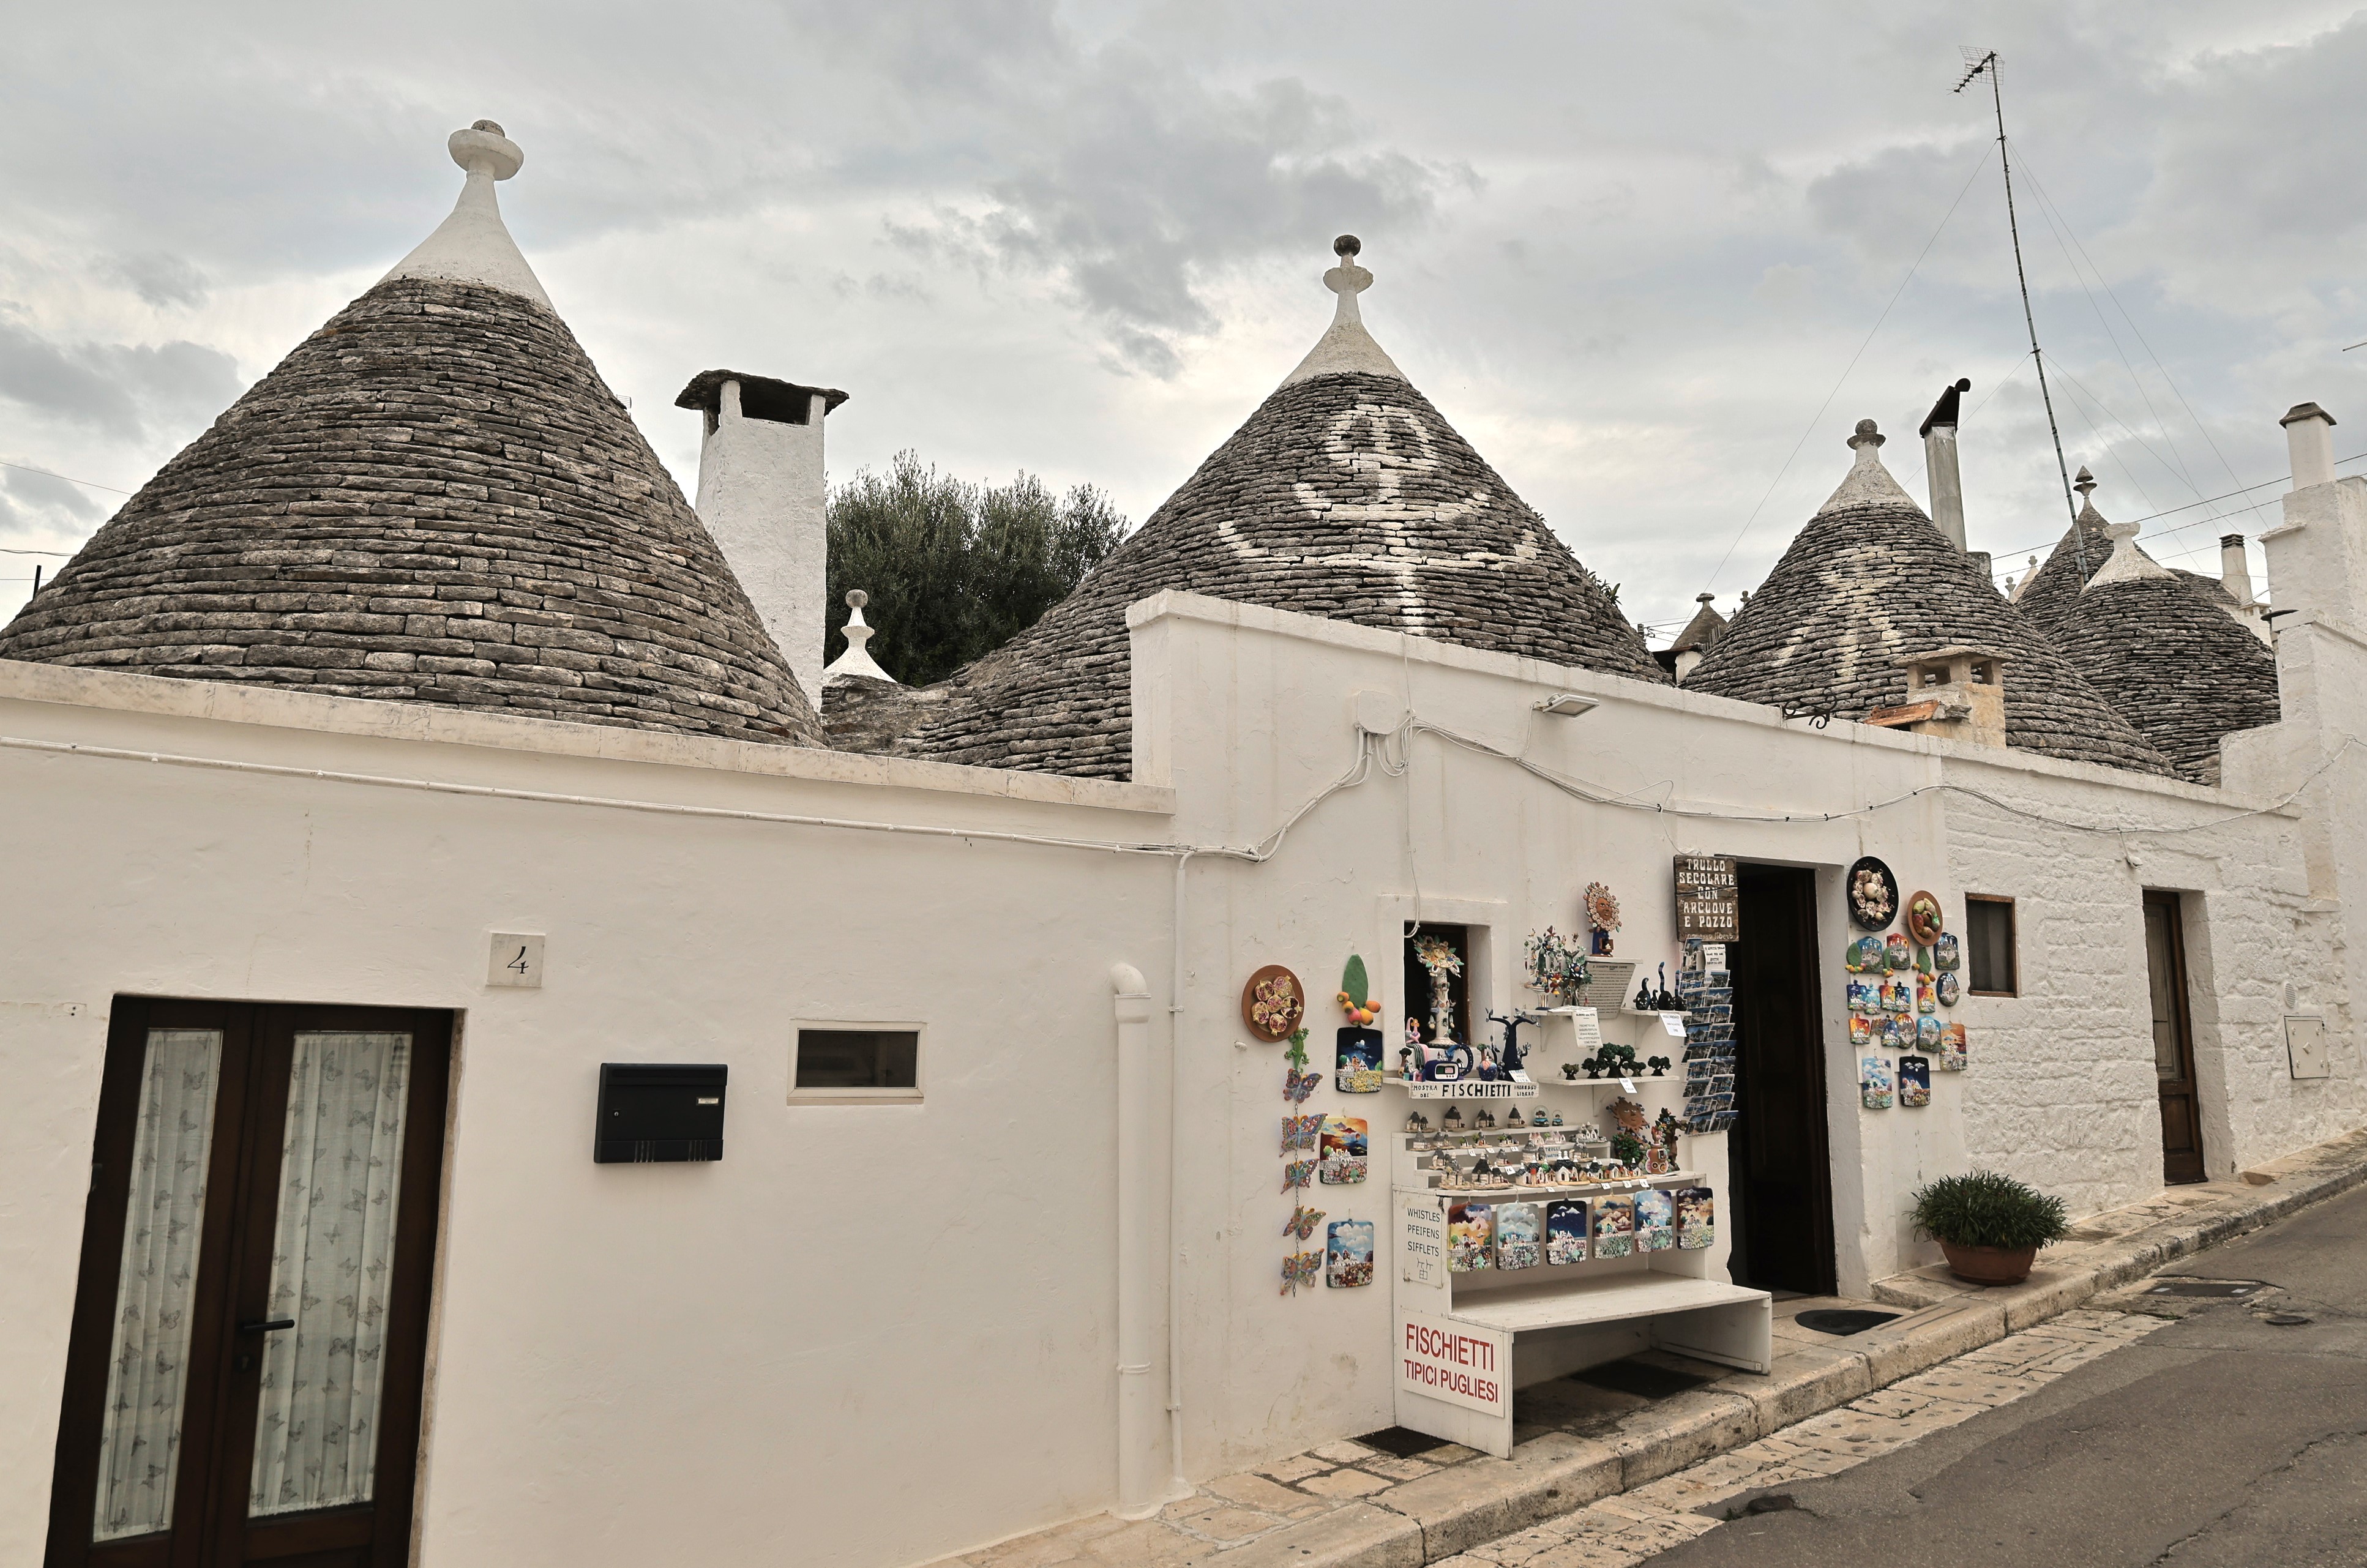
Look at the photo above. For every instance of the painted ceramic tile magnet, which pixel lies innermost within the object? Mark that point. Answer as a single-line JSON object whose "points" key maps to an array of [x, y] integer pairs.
{"points": [[1655, 1221], [1927, 994], [1897, 996], [1947, 952], [1470, 1238], [1948, 989], [1614, 1227], [1896, 954], [1696, 1218], [1951, 1049], [1348, 1254], [1344, 1147], [1566, 1231], [1866, 996], [1914, 1082], [1873, 1083], [1927, 1034], [1359, 1062], [1518, 1235], [1860, 1030]]}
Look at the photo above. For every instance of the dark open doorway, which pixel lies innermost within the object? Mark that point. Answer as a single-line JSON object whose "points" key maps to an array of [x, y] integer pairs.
{"points": [[1780, 1168], [2173, 1040]]}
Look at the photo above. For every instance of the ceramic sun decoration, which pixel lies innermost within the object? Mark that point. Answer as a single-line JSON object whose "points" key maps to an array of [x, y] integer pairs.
{"points": [[1614, 1227], [1873, 1083], [1952, 1053], [1519, 1236], [1566, 1225], [1345, 1149], [1654, 1222], [1273, 1003], [1873, 895], [1914, 1082], [1601, 917], [1348, 1254], [1923, 916], [1470, 1238], [1696, 1218]]}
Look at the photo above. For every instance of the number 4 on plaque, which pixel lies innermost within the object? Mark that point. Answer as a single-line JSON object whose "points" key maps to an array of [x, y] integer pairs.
{"points": [[514, 959]]}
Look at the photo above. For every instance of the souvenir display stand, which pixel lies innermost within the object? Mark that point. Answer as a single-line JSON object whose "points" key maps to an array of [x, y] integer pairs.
{"points": [[1468, 1336]]}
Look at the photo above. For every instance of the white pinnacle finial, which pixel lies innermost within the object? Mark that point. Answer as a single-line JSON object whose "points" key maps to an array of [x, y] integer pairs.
{"points": [[857, 662], [1346, 348], [472, 245], [1868, 483]]}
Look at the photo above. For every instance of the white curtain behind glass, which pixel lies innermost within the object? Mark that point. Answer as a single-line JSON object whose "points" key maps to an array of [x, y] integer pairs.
{"points": [[140, 1431], [332, 1257]]}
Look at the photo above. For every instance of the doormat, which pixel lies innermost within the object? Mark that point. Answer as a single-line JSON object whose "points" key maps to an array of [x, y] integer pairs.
{"points": [[1400, 1443], [1638, 1378], [2221, 1290], [1844, 1320]]}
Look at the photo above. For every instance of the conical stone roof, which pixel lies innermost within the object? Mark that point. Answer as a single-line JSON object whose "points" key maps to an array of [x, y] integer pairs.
{"points": [[1869, 582], [2054, 587], [1345, 495], [2176, 665], [433, 498]]}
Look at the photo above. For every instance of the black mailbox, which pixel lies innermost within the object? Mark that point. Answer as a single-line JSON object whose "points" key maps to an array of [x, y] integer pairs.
{"points": [[652, 1112]]}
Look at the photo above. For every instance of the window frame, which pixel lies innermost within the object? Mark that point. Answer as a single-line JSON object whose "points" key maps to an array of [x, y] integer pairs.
{"points": [[2012, 944], [912, 1096]]}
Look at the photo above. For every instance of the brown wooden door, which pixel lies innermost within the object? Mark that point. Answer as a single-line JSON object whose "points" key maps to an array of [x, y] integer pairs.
{"points": [[243, 1375], [2173, 1040]]}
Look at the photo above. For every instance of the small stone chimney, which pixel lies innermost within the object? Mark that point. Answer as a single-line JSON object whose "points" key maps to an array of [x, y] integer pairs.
{"points": [[1939, 434], [761, 494], [2309, 440], [1956, 694], [2317, 555]]}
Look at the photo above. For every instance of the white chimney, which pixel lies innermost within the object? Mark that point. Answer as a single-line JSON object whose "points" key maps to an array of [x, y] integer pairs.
{"points": [[761, 494], [2309, 439], [1939, 434], [2234, 571]]}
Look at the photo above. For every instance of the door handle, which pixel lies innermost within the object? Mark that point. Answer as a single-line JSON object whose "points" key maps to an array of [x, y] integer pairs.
{"points": [[267, 1325]]}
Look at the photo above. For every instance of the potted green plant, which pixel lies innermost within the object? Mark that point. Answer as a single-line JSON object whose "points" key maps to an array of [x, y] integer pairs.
{"points": [[1990, 1226]]}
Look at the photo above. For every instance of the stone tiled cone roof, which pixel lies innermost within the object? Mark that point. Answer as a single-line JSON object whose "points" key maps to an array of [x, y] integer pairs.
{"points": [[433, 498], [1345, 495], [1869, 582], [2054, 587], [2176, 665]]}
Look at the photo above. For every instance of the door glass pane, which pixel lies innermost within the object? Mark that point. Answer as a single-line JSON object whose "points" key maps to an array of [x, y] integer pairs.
{"points": [[140, 1430], [2161, 984], [332, 1257]]}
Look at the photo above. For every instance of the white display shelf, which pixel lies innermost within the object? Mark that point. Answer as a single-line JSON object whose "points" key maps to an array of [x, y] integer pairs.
{"points": [[1524, 1194], [1568, 1304]]}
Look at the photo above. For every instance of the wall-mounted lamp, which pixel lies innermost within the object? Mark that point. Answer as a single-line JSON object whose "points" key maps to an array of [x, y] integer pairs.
{"points": [[1566, 704]]}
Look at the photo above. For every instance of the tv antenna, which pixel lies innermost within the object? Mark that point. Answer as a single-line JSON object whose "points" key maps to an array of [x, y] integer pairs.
{"points": [[1979, 62]]}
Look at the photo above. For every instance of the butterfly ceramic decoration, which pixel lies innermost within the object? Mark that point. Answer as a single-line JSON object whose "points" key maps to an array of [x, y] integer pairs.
{"points": [[1299, 1132], [1298, 1173], [1302, 1222], [1301, 1269], [1297, 1086]]}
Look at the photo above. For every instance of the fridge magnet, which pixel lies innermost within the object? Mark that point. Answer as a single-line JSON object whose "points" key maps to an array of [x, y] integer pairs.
{"points": [[1297, 1086], [1273, 1003], [1923, 919], [1898, 1032], [1927, 994], [1299, 1132], [1296, 1055], [1470, 1238], [1896, 996], [1873, 1083], [1614, 1227], [1696, 1218], [1923, 965], [1344, 1148], [1654, 1222], [1866, 996], [1951, 1049], [1867, 956], [1914, 1082], [1948, 989], [1927, 1034], [1566, 1231], [1860, 1030], [1947, 953], [1302, 1222], [1298, 1173], [1520, 1241], [1301, 1269], [1348, 1254], [1358, 1069], [1873, 895], [1356, 999], [1896, 954]]}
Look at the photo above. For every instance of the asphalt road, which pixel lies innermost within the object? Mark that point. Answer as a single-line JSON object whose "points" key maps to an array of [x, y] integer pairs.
{"points": [[2219, 1442]]}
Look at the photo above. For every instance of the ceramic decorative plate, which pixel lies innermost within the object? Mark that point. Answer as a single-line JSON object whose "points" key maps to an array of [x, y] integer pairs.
{"points": [[1923, 916], [1273, 1003], [1873, 895], [1949, 989]]}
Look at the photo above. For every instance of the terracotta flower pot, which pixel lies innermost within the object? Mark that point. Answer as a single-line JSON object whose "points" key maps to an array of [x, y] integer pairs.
{"points": [[1989, 1265]]}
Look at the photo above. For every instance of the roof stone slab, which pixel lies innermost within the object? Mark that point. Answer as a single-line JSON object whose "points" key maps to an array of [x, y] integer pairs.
{"points": [[1869, 581], [433, 499], [2177, 666]]}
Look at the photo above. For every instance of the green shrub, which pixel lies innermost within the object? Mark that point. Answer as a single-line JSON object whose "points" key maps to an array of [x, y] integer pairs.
{"points": [[1985, 1209]]}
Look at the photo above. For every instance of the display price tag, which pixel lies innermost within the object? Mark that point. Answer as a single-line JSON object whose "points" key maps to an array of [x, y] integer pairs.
{"points": [[1588, 1024], [1674, 1022], [1421, 1241]]}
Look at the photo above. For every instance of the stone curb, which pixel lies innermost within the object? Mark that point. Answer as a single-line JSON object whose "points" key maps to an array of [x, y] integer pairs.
{"points": [[1439, 1516]]}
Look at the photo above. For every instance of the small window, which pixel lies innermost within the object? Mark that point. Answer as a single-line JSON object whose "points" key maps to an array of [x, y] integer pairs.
{"points": [[855, 1061], [1988, 946]]}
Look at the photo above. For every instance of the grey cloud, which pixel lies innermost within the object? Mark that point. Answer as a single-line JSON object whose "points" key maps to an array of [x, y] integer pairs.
{"points": [[53, 493], [116, 388], [159, 278]]}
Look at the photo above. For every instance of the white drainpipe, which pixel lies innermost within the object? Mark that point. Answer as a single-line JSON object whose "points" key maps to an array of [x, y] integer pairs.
{"points": [[1138, 1494]]}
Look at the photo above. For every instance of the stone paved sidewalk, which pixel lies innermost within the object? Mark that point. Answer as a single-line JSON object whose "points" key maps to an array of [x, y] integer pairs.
{"points": [[1579, 1450]]}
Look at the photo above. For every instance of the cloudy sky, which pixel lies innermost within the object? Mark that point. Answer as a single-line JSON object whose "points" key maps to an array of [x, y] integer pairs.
{"points": [[1630, 252]]}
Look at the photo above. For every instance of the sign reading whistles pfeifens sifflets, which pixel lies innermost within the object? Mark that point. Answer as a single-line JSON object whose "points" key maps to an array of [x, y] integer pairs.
{"points": [[1705, 899]]}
